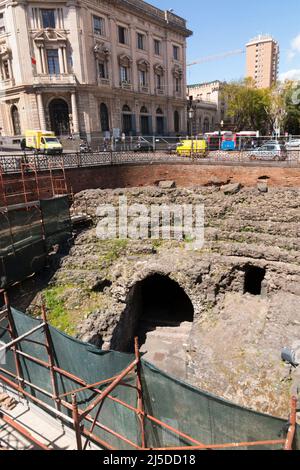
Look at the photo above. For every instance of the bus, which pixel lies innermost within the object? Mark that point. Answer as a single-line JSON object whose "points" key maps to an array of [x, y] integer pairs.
{"points": [[228, 140]]}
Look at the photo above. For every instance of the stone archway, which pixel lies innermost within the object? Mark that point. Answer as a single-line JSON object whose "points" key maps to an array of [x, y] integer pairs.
{"points": [[15, 117], [104, 117], [59, 116], [160, 314]]}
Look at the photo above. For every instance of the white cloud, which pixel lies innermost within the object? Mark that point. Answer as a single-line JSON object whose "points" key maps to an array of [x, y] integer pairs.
{"points": [[291, 55], [294, 48], [295, 44], [290, 75]]}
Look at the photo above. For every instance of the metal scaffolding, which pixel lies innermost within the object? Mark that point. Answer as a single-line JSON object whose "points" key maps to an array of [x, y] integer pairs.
{"points": [[68, 411], [32, 181]]}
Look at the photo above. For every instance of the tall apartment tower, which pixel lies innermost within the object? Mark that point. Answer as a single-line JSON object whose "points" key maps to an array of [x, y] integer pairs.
{"points": [[263, 60]]}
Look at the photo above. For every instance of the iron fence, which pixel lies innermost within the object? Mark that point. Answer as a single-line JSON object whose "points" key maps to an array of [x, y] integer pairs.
{"points": [[13, 163]]}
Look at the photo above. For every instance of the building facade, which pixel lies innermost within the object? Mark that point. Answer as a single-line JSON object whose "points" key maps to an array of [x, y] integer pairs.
{"points": [[208, 105], [263, 61], [92, 67]]}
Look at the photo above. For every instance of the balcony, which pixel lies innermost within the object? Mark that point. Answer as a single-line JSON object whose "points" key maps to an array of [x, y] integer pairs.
{"points": [[178, 94], [144, 89], [61, 79], [126, 86], [7, 83], [103, 81], [159, 91]]}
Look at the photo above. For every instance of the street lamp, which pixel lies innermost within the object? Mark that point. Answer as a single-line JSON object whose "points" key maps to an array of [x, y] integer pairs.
{"points": [[191, 114], [220, 133]]}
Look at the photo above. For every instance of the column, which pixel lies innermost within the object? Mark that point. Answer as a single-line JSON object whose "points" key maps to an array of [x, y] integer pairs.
{"points": [[41, 111], [134, 70], [61, 60], [65, 59], [115, 69], [43, 52], [75, 113]]}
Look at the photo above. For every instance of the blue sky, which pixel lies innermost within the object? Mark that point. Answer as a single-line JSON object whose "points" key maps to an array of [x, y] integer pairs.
{"points": [[222, 26]]}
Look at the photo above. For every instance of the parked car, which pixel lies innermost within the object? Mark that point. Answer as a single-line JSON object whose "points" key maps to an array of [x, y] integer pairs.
{"points": [[293, 144], [143, 147], [270, 151]]}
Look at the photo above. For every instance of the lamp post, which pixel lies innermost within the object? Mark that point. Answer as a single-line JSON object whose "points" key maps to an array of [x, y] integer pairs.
{"points": [[220, 133], [191, 114]]}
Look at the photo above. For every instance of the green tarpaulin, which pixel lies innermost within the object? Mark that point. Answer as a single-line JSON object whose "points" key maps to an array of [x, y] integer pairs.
{"points": [[202, 416]]}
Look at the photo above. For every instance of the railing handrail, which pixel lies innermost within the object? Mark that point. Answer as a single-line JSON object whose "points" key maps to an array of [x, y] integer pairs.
{"points": [[12, 163]]}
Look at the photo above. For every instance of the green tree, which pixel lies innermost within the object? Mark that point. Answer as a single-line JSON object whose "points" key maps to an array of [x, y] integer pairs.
{"points": [[247, 106]]}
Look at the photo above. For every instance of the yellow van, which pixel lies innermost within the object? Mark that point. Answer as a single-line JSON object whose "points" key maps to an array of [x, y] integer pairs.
{"points": [[190, 148], [42, 141]]}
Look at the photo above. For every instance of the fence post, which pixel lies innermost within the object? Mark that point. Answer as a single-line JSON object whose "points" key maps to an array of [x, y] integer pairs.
{"points": [[76, 420]]}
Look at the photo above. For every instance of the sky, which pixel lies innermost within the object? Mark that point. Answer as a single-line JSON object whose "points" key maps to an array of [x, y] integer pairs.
{"points": [[223, 26]]}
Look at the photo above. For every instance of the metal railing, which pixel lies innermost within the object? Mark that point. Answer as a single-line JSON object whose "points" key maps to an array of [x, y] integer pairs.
{"points": [[13, 163]]}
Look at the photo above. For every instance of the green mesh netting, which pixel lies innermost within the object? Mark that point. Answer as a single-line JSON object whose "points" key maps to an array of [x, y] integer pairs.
{"points": [[23, 248], [202, 416]]}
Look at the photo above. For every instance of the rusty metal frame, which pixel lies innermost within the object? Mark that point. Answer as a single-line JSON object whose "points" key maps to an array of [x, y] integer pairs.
{"points": [[21, 430], [80, 417], [51, 179]]}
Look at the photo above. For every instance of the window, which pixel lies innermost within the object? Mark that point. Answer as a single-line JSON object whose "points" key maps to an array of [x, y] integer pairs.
{"points": [[143, 78], [159, 82], [102, 69], [141, 41], [98, 25], [2, 25], [53, 62], [176, 52], [6, 70], [124, 74], [122, 32], [48, 18], [157, 47], [177, 85]]}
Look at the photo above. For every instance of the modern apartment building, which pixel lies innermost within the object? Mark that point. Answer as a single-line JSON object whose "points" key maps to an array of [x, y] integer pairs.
{"points": [[263, 60], [92, 67]]}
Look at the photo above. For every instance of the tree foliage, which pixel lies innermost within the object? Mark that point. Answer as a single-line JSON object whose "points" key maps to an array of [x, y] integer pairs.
{"points": [[251, 108]]}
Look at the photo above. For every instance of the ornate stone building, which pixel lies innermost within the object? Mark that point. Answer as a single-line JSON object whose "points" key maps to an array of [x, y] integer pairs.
{"points": [[209, 106], [92, 67]]}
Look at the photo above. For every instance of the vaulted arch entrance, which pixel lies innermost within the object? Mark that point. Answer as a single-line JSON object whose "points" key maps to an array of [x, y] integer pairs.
{"points": [[59, 117], [160, 314]]}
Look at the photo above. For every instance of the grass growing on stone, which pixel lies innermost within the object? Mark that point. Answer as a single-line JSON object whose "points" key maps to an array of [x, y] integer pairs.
{"points": [[57, 313], [114, 251]]}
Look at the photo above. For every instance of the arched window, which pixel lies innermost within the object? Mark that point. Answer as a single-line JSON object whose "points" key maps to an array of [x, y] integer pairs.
{"points": [[126, 109], [15, 117], [159, 111], [104, 118], [176, 121], [144, 110]]}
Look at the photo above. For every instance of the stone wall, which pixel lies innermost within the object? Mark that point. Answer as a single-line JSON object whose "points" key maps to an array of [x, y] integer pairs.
{"points": [[185, 175], [233, 348]]}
